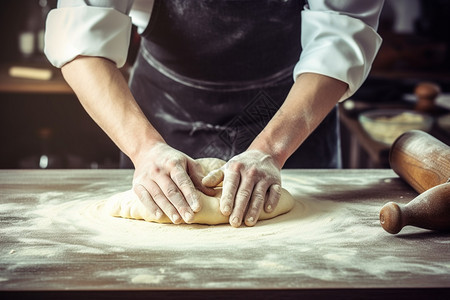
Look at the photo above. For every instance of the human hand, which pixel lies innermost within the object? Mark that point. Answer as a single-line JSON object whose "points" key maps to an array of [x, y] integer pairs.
{"points": [[251, 182], [165, 180]]}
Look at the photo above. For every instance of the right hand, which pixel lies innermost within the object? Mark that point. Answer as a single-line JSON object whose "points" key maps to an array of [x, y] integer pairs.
{"points": [[166, 181], [251, 183]]}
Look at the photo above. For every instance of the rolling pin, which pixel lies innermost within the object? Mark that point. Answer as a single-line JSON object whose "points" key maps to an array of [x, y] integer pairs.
{"points": [[420, 159], [429, 210], [424, 163]]}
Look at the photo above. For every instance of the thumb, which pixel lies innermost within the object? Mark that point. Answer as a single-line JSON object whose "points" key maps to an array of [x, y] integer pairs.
{"points": [[196, 174], [213, 179]]}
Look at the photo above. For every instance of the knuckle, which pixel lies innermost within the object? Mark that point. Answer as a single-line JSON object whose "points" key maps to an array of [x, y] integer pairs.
{"points": [[226, 200], [172, 192], [243, 194], [253, 172], [258, 199], [156, 193], [174, 162], [142, 193], [232, 185], [185, 182], [235, 166], [276, 190]]}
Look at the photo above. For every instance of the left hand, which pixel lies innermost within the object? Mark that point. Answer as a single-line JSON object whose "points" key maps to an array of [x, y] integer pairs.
{"points": [[251, 182]]}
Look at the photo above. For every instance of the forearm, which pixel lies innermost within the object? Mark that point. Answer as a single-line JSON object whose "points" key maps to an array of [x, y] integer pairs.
{"points": [[105, 95], [311, 98]]}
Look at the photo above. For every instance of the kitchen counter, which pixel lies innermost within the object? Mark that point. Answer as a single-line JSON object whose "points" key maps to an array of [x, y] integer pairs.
{"points": [[57, 242]]}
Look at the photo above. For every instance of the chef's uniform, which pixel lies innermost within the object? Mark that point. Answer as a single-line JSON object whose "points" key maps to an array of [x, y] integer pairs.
{"points": [[211, 74]]}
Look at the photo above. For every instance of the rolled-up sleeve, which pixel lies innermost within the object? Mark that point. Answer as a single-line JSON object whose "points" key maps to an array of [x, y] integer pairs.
{"points": [[339, 40], [87, 30]]}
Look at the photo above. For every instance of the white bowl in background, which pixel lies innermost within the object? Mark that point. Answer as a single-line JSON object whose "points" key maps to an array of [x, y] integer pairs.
{"points": [[385, 125]]}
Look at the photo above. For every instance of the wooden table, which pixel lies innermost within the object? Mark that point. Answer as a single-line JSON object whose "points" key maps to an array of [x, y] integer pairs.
{"points": [[54, 245]]}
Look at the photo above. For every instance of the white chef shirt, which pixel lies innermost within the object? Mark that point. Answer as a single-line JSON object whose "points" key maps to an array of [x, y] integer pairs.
{"points": [[338, 39]]}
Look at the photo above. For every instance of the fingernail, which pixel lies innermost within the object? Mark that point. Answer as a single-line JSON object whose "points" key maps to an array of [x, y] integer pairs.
{"points": [[187, 216], [158, 215], [235, 220], [195, 206], [227, 209], [250, 220], [175, 218], [194, 200], [269, 207]]}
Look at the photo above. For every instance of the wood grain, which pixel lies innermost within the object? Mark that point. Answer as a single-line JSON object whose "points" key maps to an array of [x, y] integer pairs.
{"points": [[354, 259], [421, 160]]}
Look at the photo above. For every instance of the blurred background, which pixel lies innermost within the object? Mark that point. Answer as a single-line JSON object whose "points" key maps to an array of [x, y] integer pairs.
{"points": [[44, 126]]}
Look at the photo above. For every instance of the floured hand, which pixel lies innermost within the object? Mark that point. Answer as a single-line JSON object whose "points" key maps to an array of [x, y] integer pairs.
{"points": [[166, 182], [128, 205], [251, 184]]}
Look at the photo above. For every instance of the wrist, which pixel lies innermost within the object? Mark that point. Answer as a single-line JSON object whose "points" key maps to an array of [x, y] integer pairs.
{"points": [[140, 151], [276, 151]]}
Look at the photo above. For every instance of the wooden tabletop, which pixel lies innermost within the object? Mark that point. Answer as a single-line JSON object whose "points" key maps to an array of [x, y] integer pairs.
{"points": [[56, 242]]}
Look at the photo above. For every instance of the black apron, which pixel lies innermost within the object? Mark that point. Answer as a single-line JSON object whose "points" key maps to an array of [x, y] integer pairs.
{"points": [[211, 74]]}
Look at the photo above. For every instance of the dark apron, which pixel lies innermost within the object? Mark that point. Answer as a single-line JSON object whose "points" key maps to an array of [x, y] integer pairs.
{"points": [[211, 74]]}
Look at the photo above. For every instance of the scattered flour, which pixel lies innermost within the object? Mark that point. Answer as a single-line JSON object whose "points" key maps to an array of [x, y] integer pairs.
{"points": [[320, 238], [147, 279]]}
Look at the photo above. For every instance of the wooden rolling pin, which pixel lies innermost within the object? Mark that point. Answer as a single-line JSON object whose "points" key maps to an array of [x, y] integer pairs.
{"points": [[420, 159], [429, 210], [424, 163]]}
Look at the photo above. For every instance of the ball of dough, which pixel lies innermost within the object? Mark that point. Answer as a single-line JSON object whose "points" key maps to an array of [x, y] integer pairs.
{"points": [[128, 205]]}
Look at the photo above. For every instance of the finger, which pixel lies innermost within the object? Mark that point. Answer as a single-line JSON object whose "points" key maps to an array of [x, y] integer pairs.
{"points": [[256, 204], [152, 211], [273, 198], [186, 186], [196, 174], [241, 202], [174, 195], [214, 178], [163, 203], [229, 190]]}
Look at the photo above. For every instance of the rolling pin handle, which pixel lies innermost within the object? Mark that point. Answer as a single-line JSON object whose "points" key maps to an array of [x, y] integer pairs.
{"points": [[429, 210], [391, 218]]}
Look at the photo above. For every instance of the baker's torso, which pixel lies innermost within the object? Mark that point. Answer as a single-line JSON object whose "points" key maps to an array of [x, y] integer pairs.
{"points": [[211, 74]]}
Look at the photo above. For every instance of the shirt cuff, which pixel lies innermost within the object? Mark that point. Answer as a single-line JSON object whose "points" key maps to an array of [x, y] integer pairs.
{"points": [[337, 46], [89, 31]]}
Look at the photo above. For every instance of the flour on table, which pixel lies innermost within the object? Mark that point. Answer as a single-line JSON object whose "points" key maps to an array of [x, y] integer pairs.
{"points": [[127, 204], [334, 238], [147, 279]]}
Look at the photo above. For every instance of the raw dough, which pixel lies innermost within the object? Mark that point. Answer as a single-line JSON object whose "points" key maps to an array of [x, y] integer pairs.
{"points": [[127, 204]]}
